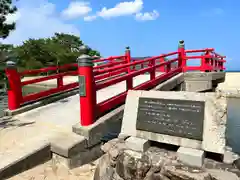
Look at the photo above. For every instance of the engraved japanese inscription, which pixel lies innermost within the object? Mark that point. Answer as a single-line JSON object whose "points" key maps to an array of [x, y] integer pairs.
{"points": [[182, 118], [82, 85]]}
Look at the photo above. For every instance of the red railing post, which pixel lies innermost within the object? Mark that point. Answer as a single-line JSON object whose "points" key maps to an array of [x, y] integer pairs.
{"points": [[153, 71], [60, 78], [14, 86], [207, 63], [168, 68], [128, 58], [212, 64], [221, 66], [129, 81], [162, 68], [87, 90], [215, 63], [60, 81], [182, 60], [133, 67], [203, 64]]}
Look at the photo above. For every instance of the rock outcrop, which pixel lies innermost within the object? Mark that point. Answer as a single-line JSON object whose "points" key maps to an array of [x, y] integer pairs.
{"points": [[121, 163]]}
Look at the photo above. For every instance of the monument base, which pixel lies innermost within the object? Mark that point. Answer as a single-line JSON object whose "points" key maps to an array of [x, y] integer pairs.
{"points": [[120, 163], [192, 157], [185, 119]]}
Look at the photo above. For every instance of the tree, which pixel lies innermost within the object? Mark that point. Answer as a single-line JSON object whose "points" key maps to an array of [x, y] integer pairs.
{"points": [[37, 53], [93, 52], [72, 43], [4, 52], [57, 50], [6, 8]]}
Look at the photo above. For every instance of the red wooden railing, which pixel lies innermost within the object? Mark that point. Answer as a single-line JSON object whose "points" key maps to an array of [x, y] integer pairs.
{"points": [[117, 69], [15, 95]]}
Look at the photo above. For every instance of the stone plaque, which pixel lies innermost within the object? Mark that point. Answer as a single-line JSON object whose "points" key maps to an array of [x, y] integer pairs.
{"points": [[182, 118], [82, 85]]}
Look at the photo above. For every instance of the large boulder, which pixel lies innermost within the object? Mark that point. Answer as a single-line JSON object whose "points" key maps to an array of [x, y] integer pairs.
{"points": [[121, 163], [133, 165]]}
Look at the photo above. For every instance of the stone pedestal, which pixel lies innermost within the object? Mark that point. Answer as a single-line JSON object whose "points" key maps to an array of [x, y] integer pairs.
{"points": [[191, 157], [137, 144], [214, 120]]}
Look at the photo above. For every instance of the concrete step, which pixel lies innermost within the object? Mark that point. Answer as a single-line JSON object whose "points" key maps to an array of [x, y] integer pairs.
{"points": [[72, 150], [69, 148], [68, 144], [24, 156], [81, 158]]}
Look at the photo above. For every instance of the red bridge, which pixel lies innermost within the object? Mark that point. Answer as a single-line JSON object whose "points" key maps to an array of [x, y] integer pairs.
{"points": [[115, 69], [40, 128]]}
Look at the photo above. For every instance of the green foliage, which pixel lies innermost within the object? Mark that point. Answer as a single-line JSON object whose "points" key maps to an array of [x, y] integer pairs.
{"points": [[38, 53], [6, 8], [57, 50], [93, 53]]}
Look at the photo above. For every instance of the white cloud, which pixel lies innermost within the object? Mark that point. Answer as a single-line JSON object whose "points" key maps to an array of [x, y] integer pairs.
{"points": [[90, 18], [37, 19], [122, 9], [126, 8], [147, 16], [76, 9]]}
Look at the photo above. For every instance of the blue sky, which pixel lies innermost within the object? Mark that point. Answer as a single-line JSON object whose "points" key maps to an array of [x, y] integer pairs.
{"points": [[149, 27]]}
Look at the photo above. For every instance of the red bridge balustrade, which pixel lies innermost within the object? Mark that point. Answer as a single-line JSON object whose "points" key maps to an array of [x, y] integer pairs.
{"points": [[15, 95], [115, 69]]}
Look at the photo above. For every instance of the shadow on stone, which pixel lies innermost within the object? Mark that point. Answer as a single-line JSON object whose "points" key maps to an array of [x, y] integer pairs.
{"points": [[9, 122], [168, 147]]}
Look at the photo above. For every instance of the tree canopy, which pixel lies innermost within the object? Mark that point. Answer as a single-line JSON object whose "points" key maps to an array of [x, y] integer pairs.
{"points": [[57, 50], [6, 8]]}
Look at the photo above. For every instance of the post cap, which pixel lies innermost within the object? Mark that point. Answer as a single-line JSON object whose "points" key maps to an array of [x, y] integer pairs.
{"points": [[83, 49], [181, 43], [10, 64], [127, 48], [85, 60]]}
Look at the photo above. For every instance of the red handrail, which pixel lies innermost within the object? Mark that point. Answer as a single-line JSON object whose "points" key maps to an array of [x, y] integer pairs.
{"points": [[113, 72]]}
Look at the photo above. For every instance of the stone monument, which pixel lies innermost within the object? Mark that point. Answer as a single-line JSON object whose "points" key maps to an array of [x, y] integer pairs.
{"points": [[194, 121]]}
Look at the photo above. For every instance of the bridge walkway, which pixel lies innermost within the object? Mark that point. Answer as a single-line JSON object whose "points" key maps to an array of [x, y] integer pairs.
{"points": [[36, 128]]}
